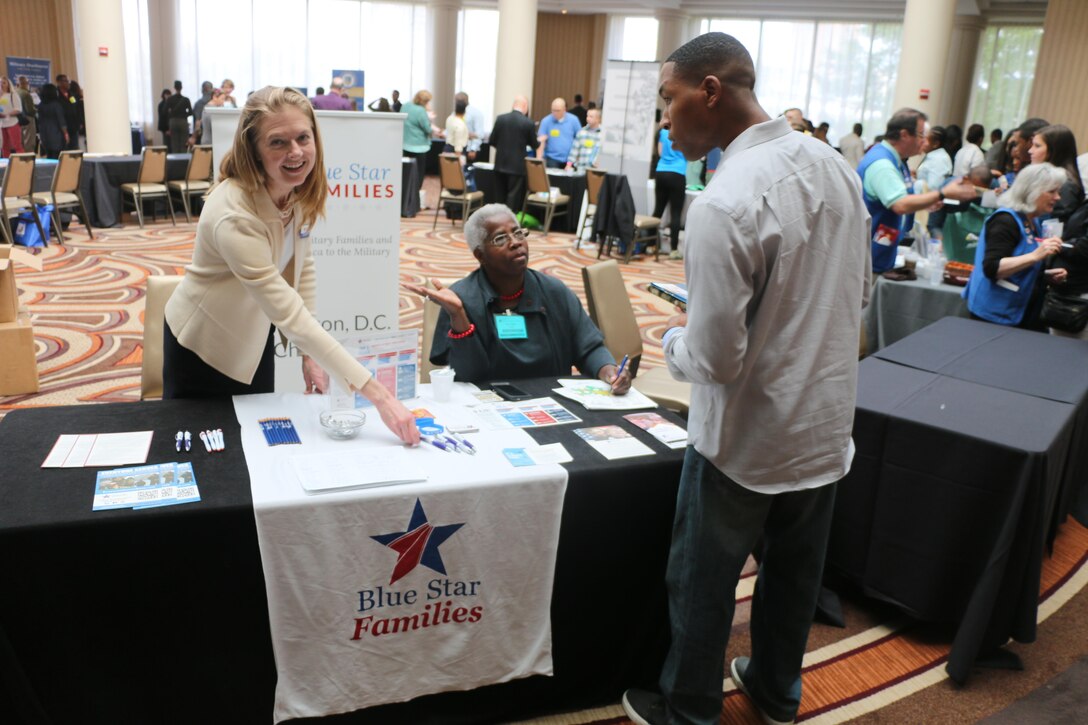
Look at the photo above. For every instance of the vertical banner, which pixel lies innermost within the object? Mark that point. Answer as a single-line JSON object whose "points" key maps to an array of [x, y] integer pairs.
{"points": [[356, 247], [37, 70], [629, 131], [354, 88]]}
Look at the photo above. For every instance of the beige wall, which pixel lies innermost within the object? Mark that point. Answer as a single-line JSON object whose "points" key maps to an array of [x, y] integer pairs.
{"points": [[39, 29], [1058, 93], [568, 59]]}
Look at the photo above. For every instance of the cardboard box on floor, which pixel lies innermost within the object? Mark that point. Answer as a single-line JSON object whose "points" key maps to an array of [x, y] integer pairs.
{"points": [[18, 364]]}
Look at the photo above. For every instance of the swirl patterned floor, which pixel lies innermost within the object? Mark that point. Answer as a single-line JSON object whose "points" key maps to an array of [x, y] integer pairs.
{"points": [[87, 301]]}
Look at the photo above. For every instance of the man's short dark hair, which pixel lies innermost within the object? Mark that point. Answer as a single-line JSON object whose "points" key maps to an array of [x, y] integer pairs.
{"points": [[714, 54], [975, 133], [177, 85], [1030, 127], [577, 97], [996, 134], [459, 107], [905, 119], [857, 128], [320, 91]]}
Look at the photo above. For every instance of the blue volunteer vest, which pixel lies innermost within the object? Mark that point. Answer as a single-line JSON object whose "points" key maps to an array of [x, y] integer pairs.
{"points": [[886, 224], [1002, 302]]}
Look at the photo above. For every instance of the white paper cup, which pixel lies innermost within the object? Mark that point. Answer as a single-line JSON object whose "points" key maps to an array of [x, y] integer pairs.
{"points": [[442, 384]]}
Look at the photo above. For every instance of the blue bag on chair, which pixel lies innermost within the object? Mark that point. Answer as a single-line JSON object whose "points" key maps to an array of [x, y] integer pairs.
{"points": [[26, 231]]}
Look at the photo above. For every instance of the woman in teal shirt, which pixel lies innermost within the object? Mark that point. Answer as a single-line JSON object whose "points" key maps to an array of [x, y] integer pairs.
{"points": [[417, 132]]}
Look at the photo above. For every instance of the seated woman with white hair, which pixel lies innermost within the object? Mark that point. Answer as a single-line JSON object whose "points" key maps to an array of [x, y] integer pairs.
{"points": [[506, 321], [1006, 284]]}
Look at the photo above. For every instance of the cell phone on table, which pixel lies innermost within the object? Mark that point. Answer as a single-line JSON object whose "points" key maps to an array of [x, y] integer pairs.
{"points": [[509, 391]]}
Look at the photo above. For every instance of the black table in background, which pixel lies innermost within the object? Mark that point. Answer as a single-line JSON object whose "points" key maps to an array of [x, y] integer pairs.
{"points": [[160, 615], [102, 179], [573, 185], [948, 505]]}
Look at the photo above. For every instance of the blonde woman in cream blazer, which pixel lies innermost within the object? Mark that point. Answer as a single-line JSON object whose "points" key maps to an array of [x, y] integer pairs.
{"points": [[252, 270]]}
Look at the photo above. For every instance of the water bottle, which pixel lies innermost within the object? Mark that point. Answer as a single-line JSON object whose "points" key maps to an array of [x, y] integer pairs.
{"points": [[936, 262]]}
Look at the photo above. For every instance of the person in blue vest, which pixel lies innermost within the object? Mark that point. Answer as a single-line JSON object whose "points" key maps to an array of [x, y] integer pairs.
{"points": [[887, 185], [1006, 284]]}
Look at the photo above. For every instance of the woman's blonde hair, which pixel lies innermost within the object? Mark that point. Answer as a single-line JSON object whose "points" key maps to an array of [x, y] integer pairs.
{"points": [[422, 98], [243, 164]]}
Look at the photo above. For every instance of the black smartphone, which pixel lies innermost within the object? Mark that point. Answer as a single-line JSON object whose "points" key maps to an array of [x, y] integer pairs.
{"points": [[508, 391]]}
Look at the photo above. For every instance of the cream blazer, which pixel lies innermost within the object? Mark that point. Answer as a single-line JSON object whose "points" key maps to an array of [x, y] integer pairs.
{"points": [[233, 289]]}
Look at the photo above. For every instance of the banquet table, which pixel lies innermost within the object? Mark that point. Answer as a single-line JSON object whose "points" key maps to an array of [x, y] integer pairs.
{"points": [[103, 176], [952, 496], [898, 309], [571, 183], [161, 614]]}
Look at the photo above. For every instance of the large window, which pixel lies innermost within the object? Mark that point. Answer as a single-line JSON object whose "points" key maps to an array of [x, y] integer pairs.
{"points": [[632, 38], [477, 40], [1004, 72], [838, 73]]}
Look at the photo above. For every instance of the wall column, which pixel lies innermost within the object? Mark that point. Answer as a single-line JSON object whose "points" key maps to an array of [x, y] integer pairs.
{"points": [[927, 33], [100, 24], [1057, 94], [959, 72], [672, 31], [516, 52], [442, 55]]}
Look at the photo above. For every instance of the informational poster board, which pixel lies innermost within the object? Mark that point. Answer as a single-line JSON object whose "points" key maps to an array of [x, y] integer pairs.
{"points": [[354, 87], [356, 246], [37, 70], [629, 130]]}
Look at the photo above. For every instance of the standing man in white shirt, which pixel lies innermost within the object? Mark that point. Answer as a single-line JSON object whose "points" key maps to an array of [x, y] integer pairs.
{"points": [[970, 154], [477, 127], [777, 271], [852, 147]]}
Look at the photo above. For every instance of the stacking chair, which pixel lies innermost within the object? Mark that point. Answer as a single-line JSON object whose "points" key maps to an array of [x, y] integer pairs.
{"points": [[454, 188], [159, 289], [594, 181], [197, 181], [610, 309], [647, 232], [539, 193], [149, 184], [430, 321], [65, 193], [16, 194]]}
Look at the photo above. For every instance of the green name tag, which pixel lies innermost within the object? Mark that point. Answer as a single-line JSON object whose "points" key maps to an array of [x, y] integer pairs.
{"points": [[511, 327]]}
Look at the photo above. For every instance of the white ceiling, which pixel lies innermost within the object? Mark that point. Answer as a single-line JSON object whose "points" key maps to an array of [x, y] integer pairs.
{"points": [[1032, 11]]}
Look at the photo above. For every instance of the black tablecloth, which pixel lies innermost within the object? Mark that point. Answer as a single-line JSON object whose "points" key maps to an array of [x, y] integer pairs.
{"points": [[410, 183], [160, 615], [1031, 363], [102, 179], [573, 185], [946, 509]]}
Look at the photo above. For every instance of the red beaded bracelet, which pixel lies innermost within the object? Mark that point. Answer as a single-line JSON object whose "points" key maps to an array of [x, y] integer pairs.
{"points": [[462, 335]]}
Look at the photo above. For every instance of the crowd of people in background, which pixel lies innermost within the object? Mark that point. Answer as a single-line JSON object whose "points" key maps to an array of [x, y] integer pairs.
{"points": [[45, 120]]}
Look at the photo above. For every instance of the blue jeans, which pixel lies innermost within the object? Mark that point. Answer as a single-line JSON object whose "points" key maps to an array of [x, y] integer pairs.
{"points": [[717, 524]]}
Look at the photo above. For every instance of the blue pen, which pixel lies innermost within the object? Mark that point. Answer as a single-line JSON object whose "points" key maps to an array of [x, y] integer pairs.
{"points": [[623, 364]]}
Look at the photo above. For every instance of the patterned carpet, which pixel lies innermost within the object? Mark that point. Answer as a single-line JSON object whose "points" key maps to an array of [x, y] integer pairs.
{"points": [[87, 301], [87, 304]]}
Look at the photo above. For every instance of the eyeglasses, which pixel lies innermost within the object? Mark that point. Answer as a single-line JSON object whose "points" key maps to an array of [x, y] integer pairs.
{"points": [[502, 238]]}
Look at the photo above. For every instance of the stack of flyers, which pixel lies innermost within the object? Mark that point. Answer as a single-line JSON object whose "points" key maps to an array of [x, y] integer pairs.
{"points": [[668, 433], [613, 442], [138, 487]]}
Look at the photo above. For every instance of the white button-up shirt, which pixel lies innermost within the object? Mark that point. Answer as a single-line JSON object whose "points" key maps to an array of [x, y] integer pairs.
{"points": [[777, 264]]}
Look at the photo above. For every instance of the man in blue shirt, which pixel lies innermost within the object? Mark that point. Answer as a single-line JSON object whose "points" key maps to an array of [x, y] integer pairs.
{"points": [[556, 135]]}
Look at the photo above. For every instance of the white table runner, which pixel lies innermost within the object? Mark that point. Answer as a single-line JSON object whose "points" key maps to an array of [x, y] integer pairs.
{"points": [[381, 595]]}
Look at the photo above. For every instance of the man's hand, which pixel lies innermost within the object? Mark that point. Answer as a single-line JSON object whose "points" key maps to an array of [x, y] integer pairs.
{"points": [[961, 190], [620, 383], [679, 320]]}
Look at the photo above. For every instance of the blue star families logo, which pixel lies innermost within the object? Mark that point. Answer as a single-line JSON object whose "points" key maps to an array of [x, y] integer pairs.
{"points": [[417, 544]]}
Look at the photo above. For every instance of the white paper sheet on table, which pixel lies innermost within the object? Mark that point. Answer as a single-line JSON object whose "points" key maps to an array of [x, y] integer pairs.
{"points": [[476, 525], [597, 395], [103, 449]]}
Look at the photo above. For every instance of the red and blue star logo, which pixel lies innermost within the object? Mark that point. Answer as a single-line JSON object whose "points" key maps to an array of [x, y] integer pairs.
{"points": [[418, 544]]}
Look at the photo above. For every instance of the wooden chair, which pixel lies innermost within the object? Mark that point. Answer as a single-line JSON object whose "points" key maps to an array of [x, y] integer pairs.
{"points": [[430, 321], [454, 188], [610, 309], [65, 193], [150, 183], [159, 289], [539, 193], [16, 194], [198, 179], [594, 181]]}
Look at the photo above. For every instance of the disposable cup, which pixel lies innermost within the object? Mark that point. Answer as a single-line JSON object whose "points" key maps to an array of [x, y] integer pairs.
{"points": [[442, 384]]}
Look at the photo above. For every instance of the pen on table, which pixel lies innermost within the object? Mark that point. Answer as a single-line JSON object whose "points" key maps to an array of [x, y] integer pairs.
{"points": [[464, 442], [623, 364], [438, 444], [458, 443]]}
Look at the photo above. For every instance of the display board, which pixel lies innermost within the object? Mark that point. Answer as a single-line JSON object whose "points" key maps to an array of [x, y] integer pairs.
{"points": [[629, 130]]}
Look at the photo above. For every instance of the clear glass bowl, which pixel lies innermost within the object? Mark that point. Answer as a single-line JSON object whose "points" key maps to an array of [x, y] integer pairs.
{"points": [[342, 424]]}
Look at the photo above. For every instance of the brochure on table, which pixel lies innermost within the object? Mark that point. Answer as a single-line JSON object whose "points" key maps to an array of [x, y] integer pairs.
{"points": [[383, 594], [597, 395]]}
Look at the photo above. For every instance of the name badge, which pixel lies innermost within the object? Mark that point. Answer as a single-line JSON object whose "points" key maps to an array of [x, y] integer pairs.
{"points": [[590, 143], [511, 327], [554, 133]]}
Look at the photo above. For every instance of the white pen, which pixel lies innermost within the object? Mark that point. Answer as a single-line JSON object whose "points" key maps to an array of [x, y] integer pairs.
{"points": [[463, 443], [204, 439], [219, 439]]}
